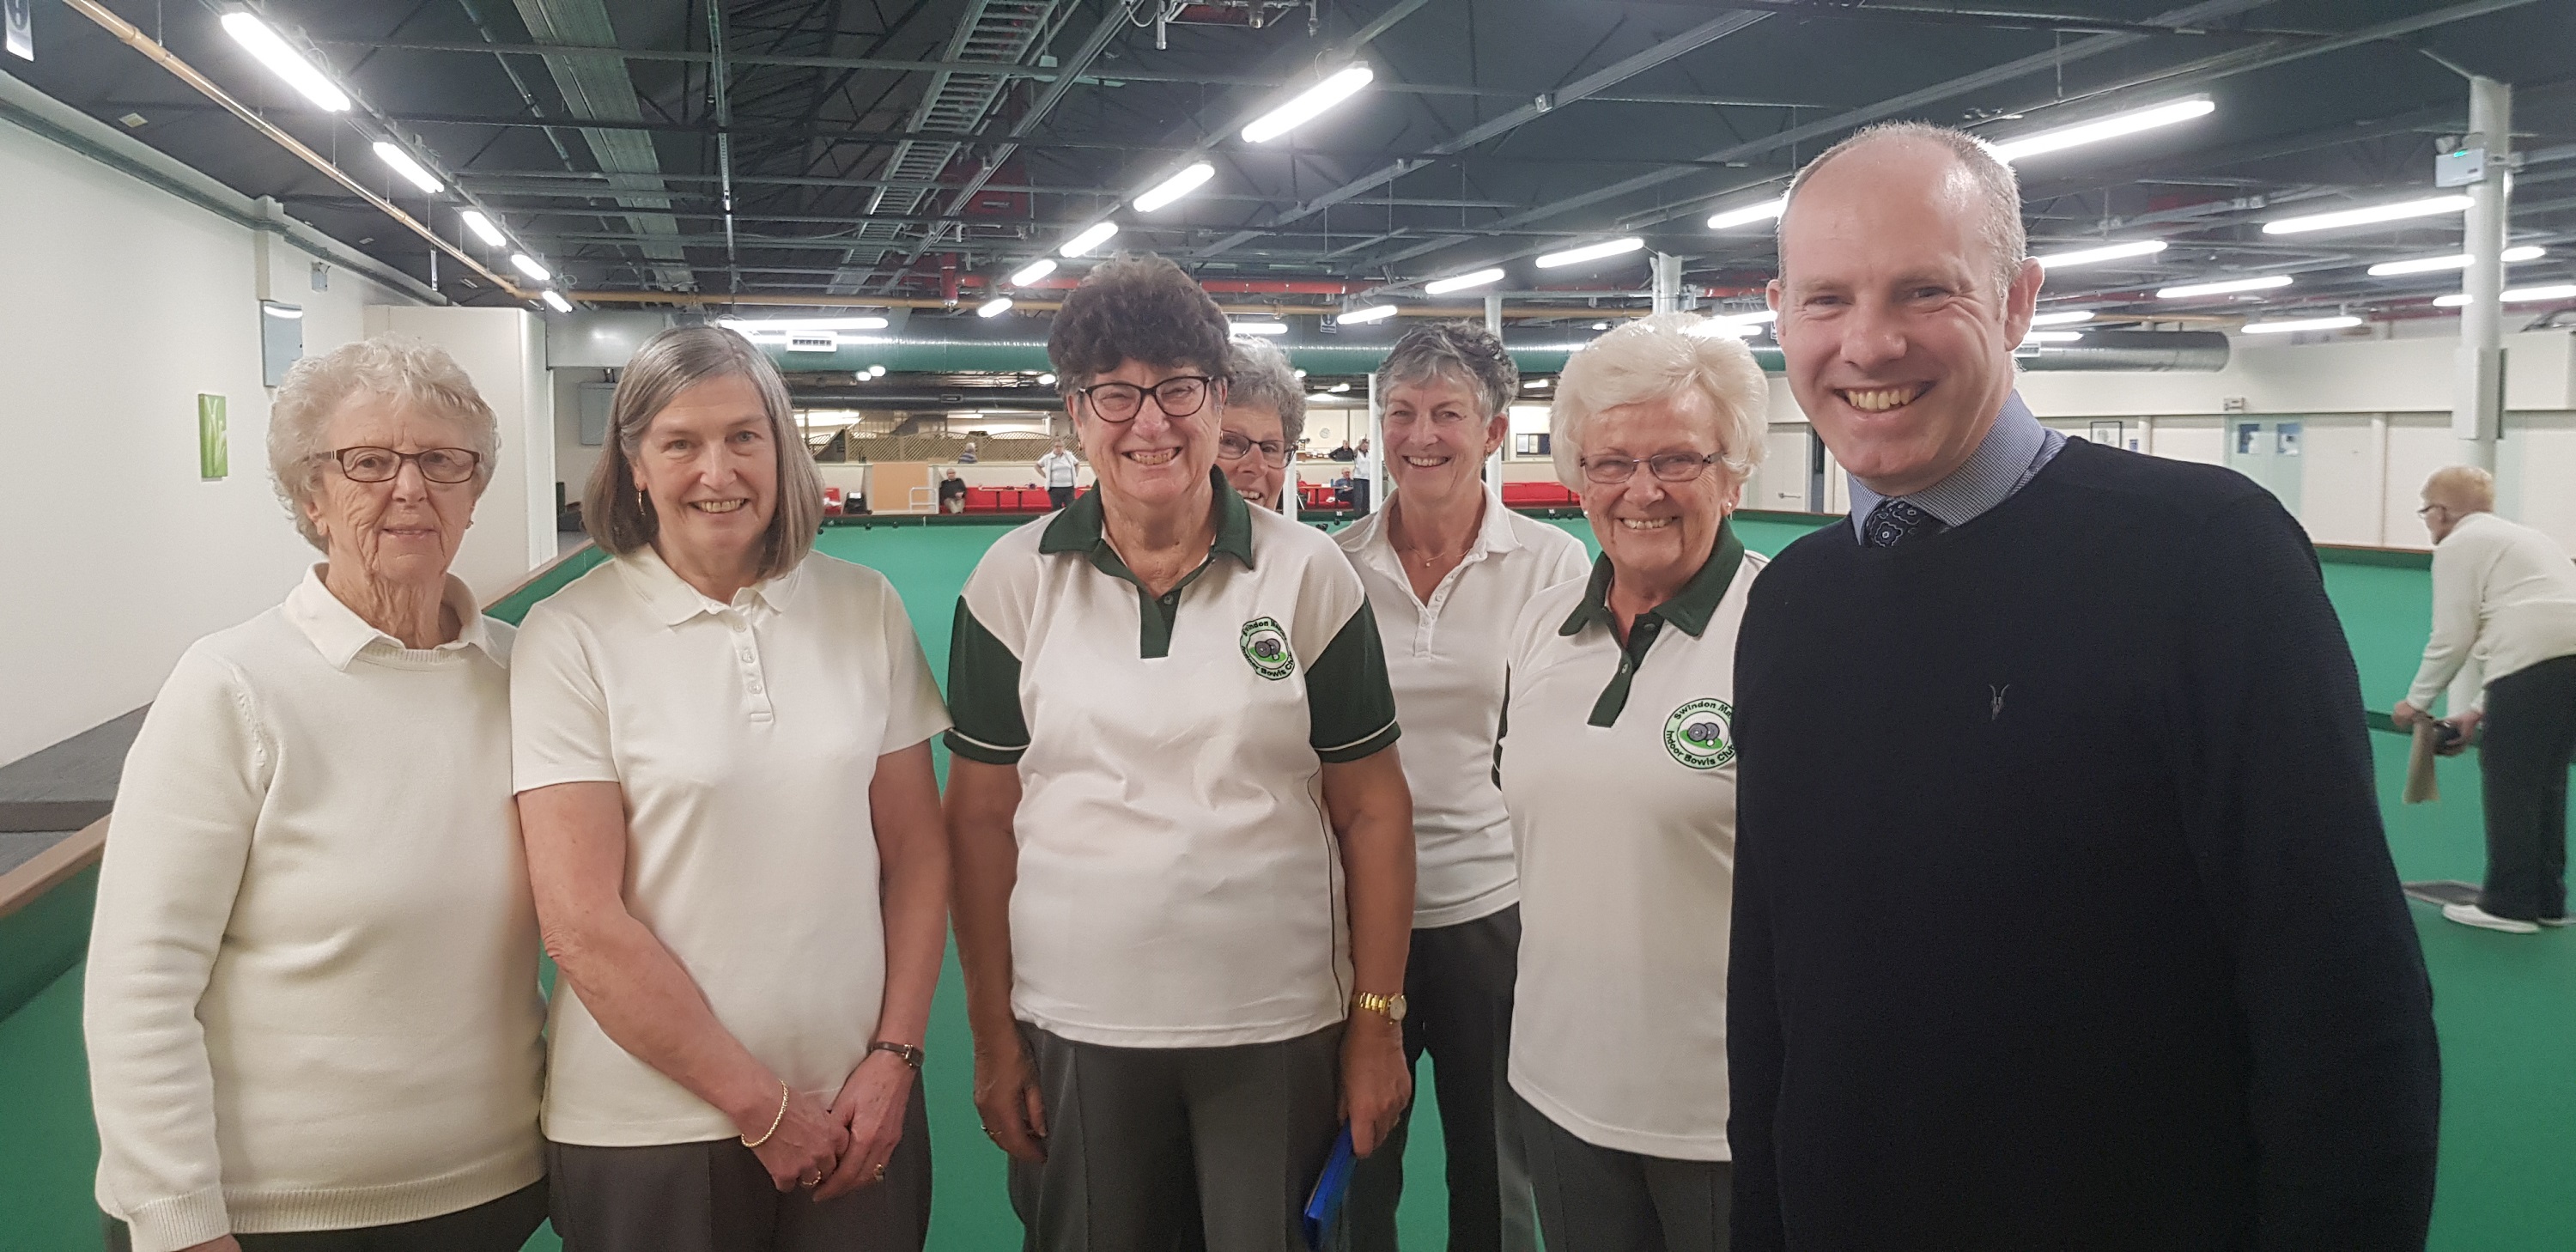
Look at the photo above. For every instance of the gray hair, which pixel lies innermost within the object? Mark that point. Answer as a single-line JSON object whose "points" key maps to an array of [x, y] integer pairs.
{"points": [[1997, 187], [1258, 376], [618, 516], [1660, 358], [1458, 350], [396, 367]]}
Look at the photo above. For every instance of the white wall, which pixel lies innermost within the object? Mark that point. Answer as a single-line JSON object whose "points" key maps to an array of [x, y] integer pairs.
{"points": [[504, 352], [124, 301]]}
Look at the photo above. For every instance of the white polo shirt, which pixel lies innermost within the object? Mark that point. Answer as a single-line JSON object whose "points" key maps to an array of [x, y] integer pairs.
{"points": [[1180, 885], [1619, 768], [745, 736], [1059, 467], [1446, 658]]}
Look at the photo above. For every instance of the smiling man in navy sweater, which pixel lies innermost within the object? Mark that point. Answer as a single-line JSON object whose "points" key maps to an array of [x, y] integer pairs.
{"points": [[2063, 915]]}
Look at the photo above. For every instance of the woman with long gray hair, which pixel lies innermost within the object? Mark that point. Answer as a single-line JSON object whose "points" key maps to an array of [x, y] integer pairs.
{"points": [[723, 762]]}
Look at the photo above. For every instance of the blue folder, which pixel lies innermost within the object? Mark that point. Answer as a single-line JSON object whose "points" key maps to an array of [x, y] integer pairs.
{"points": [[1326, 1203]]}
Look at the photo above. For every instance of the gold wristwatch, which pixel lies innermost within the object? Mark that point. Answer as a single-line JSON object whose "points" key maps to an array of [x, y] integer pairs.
{"points": [[1389, 1007]]}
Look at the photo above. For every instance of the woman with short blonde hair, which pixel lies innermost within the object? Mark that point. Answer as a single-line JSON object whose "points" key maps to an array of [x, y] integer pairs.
{"points": [[311, 1000], [723, 762]]}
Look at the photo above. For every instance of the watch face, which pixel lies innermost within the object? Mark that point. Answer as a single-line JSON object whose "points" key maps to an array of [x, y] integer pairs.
{"points": [[1395, 1007]]}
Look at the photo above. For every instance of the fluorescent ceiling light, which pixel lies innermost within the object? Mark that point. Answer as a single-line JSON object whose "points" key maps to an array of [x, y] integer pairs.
{"points": [[1033, 271], [402, 164], [1373, 313], [1306, 105], [2186, 291], [1755, 318], [2456, 261], [2522, 295], [1601, 326], [1338, 388], [877, 371], [1748, 214], [1461, 282], [254, 34], [527, 265], [2096, 256], [2299, 324], [483, 228], [1175, 187], [1729, 326], [2363, 217], [554, 300], [1088, 240], [2112, 127], [1259, 328], [783, 325], [2052, 336], [994, 307], [1591, 252], [1046, 380], [2068, 318]]}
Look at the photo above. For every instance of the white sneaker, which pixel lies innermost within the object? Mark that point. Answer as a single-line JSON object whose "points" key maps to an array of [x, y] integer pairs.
{"points": [[2472, 915], [2558, 921]]}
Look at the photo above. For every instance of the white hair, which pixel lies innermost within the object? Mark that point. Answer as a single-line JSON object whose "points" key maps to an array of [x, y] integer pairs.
{"points": [[2462, 488], [1658, 358], [396, 367]]}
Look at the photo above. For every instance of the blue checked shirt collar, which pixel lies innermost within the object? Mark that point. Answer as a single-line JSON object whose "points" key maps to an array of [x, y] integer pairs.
{"points": [[2013, 453]]}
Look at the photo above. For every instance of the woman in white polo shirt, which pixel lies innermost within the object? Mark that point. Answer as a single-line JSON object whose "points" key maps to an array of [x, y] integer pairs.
{"points": [[723, 762], [311, 1003], [1617, 764], [1447, 569], [1183, 851]]}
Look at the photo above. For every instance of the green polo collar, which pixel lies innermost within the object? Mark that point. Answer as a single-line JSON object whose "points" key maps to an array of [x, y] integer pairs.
{"points": [[1690, 610], [1079, 527]]}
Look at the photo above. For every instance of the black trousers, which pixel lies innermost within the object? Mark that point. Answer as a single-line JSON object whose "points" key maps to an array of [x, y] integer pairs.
{"points": [[2529, 741], [1458, 997], [1360, 501], [501, 1225], [1597, 1199], [1059, 497], [716, 1196]]}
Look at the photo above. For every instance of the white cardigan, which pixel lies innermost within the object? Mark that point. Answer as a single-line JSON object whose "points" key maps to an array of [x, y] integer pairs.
{"points": [[2504, 597], [311, 1001]]}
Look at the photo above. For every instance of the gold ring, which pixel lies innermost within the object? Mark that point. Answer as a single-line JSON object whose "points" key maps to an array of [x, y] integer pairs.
{"points": [[881, 1171]]}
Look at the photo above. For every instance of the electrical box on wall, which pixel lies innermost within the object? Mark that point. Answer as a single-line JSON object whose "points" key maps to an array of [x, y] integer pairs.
{"points": [[281, 340], [2460, 168]]}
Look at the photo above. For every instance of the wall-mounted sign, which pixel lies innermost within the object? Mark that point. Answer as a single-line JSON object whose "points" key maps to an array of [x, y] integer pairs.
{"points": [[214, 442], [18, 17]]}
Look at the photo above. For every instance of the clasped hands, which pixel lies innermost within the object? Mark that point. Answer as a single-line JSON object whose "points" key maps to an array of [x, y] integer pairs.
{"points": [[835, 1151]]}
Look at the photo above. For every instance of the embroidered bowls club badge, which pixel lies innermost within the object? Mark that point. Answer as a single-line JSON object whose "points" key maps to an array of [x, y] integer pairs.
{"points": [[1266, 646], [1696, 733]]}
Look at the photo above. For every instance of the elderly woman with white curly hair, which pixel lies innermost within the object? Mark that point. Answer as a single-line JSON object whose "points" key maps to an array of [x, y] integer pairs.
{"points": [[1617, 766], [311, 1003]]}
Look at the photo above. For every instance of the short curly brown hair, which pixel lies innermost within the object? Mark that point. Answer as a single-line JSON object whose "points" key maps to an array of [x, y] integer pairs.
{"points": [[1135, 306]]}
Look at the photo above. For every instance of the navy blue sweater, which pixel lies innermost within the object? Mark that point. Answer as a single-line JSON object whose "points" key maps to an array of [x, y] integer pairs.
{"points": [[2063, 917]]}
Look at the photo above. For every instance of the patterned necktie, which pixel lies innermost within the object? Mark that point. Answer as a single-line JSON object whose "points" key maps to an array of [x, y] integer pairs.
{"points": [[1895, 519]]}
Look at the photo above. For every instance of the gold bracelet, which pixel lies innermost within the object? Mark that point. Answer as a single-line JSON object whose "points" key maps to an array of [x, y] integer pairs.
{"points": [[774, 1122]]}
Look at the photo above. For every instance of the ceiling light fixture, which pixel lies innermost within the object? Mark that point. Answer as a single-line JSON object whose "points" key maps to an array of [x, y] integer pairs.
{"points": [[1306, 105], [254, 34], [554, 300], [2429, 207], [2268, 282], [2456, 261], [1046, 380], [1175, 187], [1590, 252], [1033, 271], [401, 163], [1372, 313], [2520, 295], [483, 228], [2068, 318], [527, 265], [1098, 234], [2112, 127], [1338, 388], [1461, 282], [784, 325], [2296, 324], [994, 307], [877, 371], [1259, 328], [1747, 215], [2051, 336], [1754, 318], [2096, 256]]}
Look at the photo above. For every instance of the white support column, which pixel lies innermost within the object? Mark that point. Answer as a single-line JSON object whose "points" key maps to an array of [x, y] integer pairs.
{"points": [[1668, 283], [1494, 463], [2477, 413], [1379, 487]]}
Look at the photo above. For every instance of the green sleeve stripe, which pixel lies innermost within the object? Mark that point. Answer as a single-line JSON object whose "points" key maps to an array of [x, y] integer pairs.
{"points": [[983, 694], [1349, 703]]}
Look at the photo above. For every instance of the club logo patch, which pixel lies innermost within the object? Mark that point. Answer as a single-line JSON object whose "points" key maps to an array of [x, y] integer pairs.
{"points": [[1266, 646], [1697, 734]]}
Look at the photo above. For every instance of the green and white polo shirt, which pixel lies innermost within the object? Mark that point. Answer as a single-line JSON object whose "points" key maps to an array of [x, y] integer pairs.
{"points": [[1179, 882], [1618, 766]]}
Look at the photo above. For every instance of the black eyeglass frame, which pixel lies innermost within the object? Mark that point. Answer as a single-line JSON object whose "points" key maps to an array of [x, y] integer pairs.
{"points": [[473, 463], [1274, 452], [1686, 466], [1207, 388]]}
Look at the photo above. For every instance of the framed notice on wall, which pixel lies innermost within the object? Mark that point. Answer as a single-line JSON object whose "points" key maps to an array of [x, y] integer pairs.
{"points": [[18, 28], [214, 442]]}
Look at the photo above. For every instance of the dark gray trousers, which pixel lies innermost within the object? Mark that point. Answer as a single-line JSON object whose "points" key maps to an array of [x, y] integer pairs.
{"points": [[2528, 742], [501, 1225], [1458, 998], [717, 1197], [1153, 1149], [1597, 1199]]}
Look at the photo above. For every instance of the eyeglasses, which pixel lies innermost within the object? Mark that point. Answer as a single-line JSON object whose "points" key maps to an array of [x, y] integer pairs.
{"points": [[438, 465], [1671, 467], [2429, 508], [1178, 396], [1234, 447]]}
